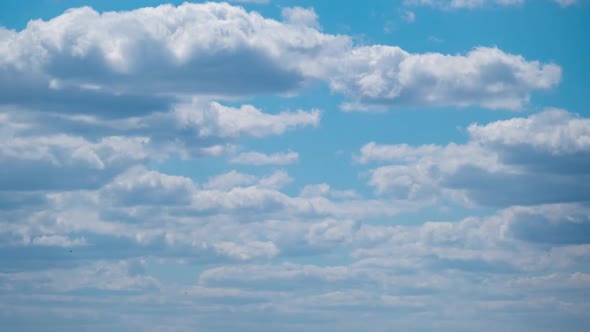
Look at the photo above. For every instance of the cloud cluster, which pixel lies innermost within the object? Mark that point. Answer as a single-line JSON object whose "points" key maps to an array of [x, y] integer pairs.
{"points": [[410, 269]]}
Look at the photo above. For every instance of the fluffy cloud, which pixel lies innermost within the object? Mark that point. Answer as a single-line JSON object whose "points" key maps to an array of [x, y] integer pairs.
{"points": [[81, 152], [300, 16], [140, 61], [540, 159], [67, 162], [386, 75]]}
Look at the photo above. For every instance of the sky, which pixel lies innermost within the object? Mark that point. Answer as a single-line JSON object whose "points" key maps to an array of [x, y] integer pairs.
{"points": [[282, 165]]}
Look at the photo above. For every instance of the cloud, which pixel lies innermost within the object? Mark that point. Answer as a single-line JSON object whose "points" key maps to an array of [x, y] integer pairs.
{"points": [[566, 3], [389, 76], [323, 189], [301, 16], [97, 150], [521, 161], [249, 250], [258, 158], [245, 121], [229, 180], [67, 162], [245, 247], [141, 61], [141, 187]]}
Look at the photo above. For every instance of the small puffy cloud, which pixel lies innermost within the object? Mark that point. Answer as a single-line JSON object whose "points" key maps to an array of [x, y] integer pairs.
{"points": [[229, 180], [222, 121], [259, 158], [300, 16], [323, 189], [276, 180], [57, 240], [141, 187]]}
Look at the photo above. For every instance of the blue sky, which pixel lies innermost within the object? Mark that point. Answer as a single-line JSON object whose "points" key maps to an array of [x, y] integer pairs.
{"points": [[418, 165]]}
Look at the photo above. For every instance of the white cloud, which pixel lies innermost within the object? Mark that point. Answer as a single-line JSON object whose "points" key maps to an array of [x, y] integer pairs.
{"points": [[141, 187], [233, 179], [259, 158], [301, 16], [229, 180], [324, 189], [389, 76], [67, 162], [143, 60], [276, 180], [540, 159], [230, 122]]}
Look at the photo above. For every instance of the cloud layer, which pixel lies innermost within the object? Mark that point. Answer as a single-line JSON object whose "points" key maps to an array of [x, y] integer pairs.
{"points": [[147, 182]]}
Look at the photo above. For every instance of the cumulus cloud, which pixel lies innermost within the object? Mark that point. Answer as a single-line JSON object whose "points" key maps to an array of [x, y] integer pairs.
{"points": [[245, 121], [81, 152], [67, 162], [167, 53], [300, 16], [540, 159], [141, 187], [386, 75]]}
